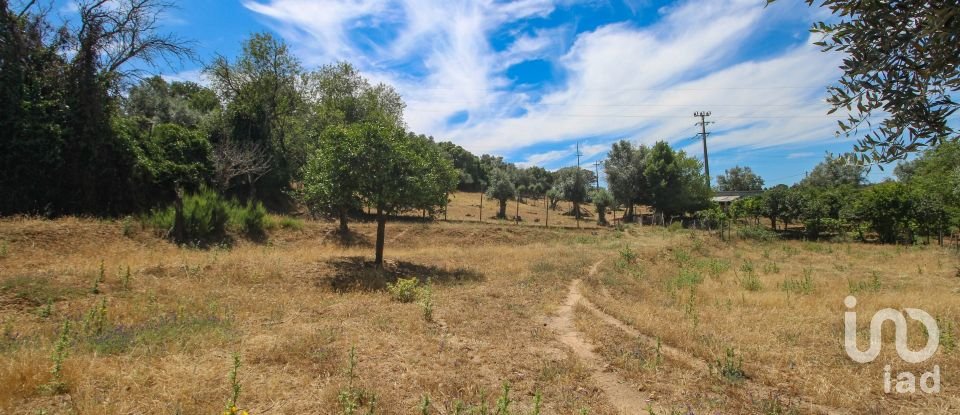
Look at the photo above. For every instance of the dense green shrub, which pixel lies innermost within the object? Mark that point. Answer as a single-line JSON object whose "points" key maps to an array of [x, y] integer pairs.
{"points": [[249, 219], [204, 216]]}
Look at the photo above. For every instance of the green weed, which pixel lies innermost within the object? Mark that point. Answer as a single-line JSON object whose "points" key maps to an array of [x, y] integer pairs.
{"points": [[730, 366], [99, 279], [873, 284], [56, 385], [799, 286], [404, 290], [426, 301], [948, 339], [751, 282]]}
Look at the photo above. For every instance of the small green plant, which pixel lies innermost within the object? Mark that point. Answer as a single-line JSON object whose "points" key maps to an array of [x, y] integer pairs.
{"points": [[426, 301], [799, 286], [425, 405], [948, 339], [775, 405], [95, 289], [46, 310], [873, 284], [125, 278], [96, 319], [232, 408], [686, 278], [128, 225], [537, 402], [503, 402], [681, 256], [627, 258], [404, 290], [751, 282], [747, 267], [730, 366], [56, 385], [353, 398], [690, 308], [4, 249], [716, 267], [771, 268]]}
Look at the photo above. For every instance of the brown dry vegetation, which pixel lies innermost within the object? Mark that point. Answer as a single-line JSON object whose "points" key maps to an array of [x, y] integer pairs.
{"points": [[779, 307], [465, 206], [293, 307]]}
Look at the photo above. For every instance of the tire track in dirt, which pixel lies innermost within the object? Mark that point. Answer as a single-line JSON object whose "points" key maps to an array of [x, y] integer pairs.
{"points": [[626, 399], [674, 353]]}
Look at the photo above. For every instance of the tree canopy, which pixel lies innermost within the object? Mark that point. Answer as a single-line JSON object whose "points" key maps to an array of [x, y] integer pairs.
{"points": [[901, 64], [739, 178]]}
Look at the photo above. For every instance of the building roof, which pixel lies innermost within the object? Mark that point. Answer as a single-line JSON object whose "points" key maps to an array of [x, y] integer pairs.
{"points": [[724, 199]]}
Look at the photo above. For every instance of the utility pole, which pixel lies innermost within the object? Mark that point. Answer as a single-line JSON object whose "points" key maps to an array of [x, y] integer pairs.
{"points": [[703, 128], [596, 168]]}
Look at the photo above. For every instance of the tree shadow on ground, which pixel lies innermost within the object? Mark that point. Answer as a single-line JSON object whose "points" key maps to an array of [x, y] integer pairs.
{"points": [[359, 274], [350, 239]]}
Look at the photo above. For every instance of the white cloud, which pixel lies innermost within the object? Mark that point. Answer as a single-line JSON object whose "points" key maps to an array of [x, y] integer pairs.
{"points": [[621, 80], [192, 75]]}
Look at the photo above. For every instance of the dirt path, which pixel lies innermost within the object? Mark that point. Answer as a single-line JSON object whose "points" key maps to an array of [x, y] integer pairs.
{"points": [[674, 353], [623, 396]]}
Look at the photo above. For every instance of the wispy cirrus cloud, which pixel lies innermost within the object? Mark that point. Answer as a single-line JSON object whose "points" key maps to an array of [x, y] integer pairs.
{"points": [[618, 80]]}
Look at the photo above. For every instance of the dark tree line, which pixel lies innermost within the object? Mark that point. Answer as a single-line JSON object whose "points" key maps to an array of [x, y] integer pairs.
{"points": [[834, 199]]}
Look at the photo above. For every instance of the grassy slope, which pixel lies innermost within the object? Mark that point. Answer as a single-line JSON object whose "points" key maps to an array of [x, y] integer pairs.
{"points": [[288, 308]]}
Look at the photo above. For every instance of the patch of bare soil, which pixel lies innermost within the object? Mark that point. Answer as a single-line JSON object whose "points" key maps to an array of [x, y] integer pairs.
{"points": [[622, 395]]}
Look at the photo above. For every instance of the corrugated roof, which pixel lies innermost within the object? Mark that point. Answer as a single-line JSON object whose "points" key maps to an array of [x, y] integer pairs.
{"points": [[724, 199]]}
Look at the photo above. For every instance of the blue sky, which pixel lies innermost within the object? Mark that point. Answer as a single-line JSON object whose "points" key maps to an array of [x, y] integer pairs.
{"points": [[529, 79]]}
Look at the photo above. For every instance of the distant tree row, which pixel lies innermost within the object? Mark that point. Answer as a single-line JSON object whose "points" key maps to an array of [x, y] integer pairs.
{"points": [[669, 181], [833, 199]]}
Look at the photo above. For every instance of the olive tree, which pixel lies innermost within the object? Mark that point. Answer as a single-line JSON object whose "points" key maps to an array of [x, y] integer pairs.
{"points": [[501, 188], [380, 165]]}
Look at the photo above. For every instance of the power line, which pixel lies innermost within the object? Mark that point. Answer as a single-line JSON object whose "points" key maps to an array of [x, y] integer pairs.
{"points": [[724, 117]]}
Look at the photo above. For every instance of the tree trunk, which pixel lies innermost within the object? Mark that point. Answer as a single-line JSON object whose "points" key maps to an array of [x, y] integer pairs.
{"points": [[342, 213], [381, 235], [517, 217], [602, 216], [503, 209]]}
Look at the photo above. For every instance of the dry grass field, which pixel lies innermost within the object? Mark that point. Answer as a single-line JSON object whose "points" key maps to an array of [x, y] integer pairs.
{"points": [[658, 310], [465, 206]]}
